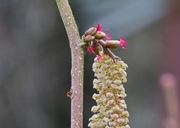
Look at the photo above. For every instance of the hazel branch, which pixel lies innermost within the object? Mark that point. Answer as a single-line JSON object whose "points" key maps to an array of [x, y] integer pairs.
{"points": [[77, 70]]}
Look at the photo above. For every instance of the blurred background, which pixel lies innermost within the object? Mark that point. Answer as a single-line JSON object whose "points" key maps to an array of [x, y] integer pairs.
{"points": [[35, 60]]}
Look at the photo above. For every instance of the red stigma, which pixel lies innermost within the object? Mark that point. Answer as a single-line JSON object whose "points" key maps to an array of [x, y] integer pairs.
{"points": [[122, 43], [90, 49], [98, 27]]}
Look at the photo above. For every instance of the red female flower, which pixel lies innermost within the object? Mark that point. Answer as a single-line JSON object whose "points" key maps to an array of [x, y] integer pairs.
{"points": [[90, 49], [108, 36], [123, 43], [99, 57], [98, 27]]}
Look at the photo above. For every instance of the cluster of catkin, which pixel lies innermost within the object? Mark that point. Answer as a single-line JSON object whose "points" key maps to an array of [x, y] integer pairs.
{"points": [[110, 111]]}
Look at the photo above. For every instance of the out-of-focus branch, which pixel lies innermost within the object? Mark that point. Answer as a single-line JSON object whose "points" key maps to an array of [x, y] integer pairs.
{"points": [[169, 85], [77, 71]]}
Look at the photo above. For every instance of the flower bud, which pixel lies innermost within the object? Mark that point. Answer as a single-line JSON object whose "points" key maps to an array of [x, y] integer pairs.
{"points": [[100, 76], [127, 126], [109, 94], [114, 116], [96, 81], [121, 96], [108, 82], [99, 125], [95, 116], [125, 114], [117, 82], [91, 31], [126, 120], [120, 120], [114, 72], [117, 109], [104, 67], [88, 38], [96, 96], [114, 86], [99, 101], [109, 112], [94, 66], [100, 35], [123, 106], [112, 44], [95, 109], [69, 94], [96, 85], [123, 72], [96, 48], [112, 124], [124, 79], [110, 102]]}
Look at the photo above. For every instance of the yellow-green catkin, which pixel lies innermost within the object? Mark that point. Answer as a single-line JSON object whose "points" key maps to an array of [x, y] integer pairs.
{"points": [[110, 111]]}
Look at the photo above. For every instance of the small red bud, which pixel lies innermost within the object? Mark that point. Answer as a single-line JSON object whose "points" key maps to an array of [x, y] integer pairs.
{"points": [[69, 94]]}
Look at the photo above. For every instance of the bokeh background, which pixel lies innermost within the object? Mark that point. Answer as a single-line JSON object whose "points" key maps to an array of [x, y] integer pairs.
{"points": [[35, 60]]}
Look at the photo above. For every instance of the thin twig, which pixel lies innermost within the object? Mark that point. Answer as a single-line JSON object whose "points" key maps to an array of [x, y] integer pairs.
{"points": [[77, 71]]}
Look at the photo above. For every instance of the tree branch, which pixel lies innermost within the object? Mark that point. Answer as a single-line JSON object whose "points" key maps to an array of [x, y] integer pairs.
{"points": [[77, 71]]}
